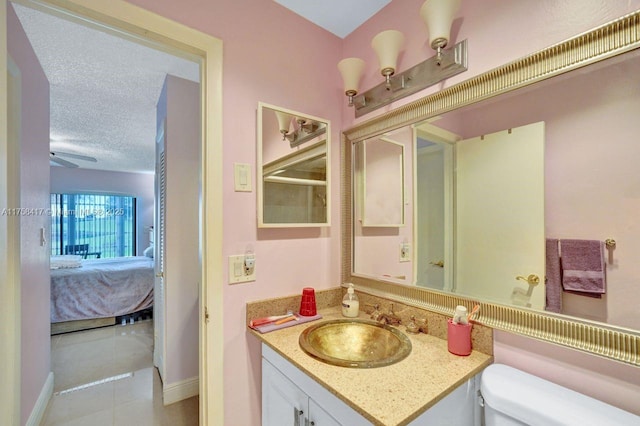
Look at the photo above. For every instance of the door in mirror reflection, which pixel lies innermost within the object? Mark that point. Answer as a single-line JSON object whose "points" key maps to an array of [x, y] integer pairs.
{"points": [[293, 168], [434, 170], [499, 206], [480, 216]]}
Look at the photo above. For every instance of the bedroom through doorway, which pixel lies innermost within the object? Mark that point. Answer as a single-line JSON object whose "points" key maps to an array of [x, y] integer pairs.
{"points": [[127, 340]]}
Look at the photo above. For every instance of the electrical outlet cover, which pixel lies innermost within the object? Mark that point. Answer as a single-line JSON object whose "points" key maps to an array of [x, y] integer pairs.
{"points": [[405, 252], [237, 272]]}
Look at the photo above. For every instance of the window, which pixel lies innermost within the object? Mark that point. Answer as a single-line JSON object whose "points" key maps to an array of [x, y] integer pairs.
{"points": [[93, 225]]}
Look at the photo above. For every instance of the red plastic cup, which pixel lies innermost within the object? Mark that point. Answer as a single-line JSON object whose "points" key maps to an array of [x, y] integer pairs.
{"points": [[308, 302], [459, 338]]}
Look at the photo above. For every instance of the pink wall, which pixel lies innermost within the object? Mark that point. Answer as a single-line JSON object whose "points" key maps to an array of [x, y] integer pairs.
{"points": [[34, 193], [139, 185], [274, 56], [499, 33]]}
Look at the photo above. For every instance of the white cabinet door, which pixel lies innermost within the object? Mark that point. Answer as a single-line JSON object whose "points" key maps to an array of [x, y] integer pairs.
{"points": [[274, 366], [319, 417], [283, 403]]}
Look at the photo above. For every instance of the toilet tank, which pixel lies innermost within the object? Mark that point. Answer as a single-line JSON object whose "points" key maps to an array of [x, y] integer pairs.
{"points": [[513, 397]]}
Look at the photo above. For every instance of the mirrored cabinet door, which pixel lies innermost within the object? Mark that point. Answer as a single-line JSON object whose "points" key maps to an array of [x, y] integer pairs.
{"points": [[293, 169]]}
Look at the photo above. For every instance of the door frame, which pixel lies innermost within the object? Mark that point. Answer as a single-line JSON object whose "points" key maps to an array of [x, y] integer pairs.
{"points": [[153, 30]]}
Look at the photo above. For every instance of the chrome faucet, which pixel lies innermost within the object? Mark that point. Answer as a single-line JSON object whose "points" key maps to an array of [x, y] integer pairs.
{"points": [[416, 326], [389, 318], [375, 314]]}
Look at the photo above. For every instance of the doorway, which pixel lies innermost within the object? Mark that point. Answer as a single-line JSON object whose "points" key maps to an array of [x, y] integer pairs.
{"points": [[134, 23]]}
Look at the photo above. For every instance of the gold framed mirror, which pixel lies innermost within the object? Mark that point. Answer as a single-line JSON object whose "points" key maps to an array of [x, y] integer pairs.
{"points": [[293, 169], [607, 41]]}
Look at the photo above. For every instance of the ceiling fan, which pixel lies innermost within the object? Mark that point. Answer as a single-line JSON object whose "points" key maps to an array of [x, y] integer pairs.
{"points": [[55, 157]]}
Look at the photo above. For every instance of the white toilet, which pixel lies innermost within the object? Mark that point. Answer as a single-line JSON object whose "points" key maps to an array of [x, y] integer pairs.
{"points": [[513, 397]]}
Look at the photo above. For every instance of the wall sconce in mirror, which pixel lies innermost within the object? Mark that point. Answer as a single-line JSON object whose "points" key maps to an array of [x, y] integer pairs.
{"points": [[438, 16], [298, 130], [293, 178]]}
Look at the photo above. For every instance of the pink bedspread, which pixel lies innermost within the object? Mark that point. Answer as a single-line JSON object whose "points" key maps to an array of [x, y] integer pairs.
{"points": [[102, 288]]}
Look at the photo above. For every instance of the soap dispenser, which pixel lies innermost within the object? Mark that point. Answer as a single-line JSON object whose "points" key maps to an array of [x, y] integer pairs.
{"points": [[350, 303]]}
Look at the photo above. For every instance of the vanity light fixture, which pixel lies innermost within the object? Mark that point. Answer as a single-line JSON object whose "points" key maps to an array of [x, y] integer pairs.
{"points": [[438, 16], [387, 45], [304, 129], [351, 70], [284, 123]]}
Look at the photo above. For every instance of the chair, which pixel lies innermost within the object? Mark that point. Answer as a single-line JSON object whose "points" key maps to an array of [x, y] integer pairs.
{"points": [[77, 249]]}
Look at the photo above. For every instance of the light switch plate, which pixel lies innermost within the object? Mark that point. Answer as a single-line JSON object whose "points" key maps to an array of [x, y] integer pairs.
{"points": [[242, 177], [237, 271]]}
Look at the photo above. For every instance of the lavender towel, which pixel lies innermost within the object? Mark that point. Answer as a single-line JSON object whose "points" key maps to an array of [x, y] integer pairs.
{"points": [[553, 288], [583, 268]]}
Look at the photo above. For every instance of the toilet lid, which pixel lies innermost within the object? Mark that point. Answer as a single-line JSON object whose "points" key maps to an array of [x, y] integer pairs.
{"points": [[535, 401]]}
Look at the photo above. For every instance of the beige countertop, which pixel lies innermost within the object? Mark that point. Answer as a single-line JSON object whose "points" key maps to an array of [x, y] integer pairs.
{"points": [[391, 395]]}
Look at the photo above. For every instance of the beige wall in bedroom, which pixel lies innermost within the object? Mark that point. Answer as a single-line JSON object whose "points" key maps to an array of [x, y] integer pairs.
{"points": [[139, 185], [34, 193]]}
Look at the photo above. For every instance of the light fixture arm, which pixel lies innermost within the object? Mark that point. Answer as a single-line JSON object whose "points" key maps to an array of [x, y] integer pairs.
{"points": [[298, 137], [290, 136], [387, 73], [350, 94], [307, 126], [448, 63], [438, 45]]}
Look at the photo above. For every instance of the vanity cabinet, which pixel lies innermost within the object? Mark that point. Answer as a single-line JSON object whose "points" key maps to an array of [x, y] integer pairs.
{"points": [[285, 388], [292, 398], [283, 403]]}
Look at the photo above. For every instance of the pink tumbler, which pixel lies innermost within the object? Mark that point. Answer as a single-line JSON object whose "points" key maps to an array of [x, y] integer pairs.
{"points": [[459, 338], [308, 302]]}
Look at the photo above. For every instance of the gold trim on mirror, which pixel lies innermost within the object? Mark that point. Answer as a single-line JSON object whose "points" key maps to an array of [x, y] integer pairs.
{"points": [[614, 38]]}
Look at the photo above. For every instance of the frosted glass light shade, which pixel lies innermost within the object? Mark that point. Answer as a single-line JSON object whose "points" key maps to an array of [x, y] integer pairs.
{"points": [[387, 45], [438, 16], [351, 70], [284, 121]]}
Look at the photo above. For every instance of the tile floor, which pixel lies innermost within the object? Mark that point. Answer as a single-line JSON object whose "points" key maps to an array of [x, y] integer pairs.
{"points": [[128, 389]]}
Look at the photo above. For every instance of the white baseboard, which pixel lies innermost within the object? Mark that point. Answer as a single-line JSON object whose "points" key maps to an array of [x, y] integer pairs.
{"points": [[37, 414], [174, 392], [158, 362]]}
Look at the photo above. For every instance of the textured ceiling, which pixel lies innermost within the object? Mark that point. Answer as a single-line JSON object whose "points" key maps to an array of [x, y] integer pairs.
{"points": [[103, 89], [340, 17]]}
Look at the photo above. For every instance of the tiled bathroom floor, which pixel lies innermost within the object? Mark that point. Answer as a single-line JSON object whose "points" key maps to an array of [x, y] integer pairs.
{"points": [[106, 377]]}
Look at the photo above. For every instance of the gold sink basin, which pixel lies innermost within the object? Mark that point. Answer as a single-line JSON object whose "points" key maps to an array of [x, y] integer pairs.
{"points": [[355, 343]]}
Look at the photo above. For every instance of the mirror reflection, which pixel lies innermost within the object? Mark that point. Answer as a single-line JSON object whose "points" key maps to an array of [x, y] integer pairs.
{"points": [[381, 208], [381, 178], [578, 182], [293, 168]]}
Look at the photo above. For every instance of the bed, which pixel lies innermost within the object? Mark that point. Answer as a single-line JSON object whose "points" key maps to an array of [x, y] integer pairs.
{"points": [[102, 289]]}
